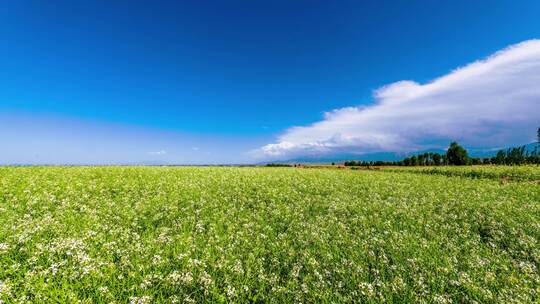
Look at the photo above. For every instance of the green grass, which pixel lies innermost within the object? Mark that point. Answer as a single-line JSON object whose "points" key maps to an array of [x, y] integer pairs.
{"points": [[283, 235], [510, 173]]}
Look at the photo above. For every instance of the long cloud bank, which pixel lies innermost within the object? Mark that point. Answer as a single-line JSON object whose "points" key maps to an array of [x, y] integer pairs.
{"points": [[489, 103]]}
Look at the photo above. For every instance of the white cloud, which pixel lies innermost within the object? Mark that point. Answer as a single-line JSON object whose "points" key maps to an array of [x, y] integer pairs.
{"points": [[160, 152], [488, 103]]}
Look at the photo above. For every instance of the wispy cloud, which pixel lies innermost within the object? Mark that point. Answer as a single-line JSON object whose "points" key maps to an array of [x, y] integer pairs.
{"points": [[488, 103], [160, 152]]}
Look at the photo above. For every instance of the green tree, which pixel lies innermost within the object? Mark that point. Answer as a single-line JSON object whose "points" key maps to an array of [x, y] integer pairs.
{"points": [[420, 158], [429, 159], [538, 135], [457, 155], [406, 161], [500, 158], [436, 159]]}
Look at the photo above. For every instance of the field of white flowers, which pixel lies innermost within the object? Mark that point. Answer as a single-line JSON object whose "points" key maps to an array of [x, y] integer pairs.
{"points": [[281, 235]]}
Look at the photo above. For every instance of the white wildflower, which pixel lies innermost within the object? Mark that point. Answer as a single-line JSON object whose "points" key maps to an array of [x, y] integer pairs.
{"points": [[4, 247], [231, 291], [5, 289], [140, 300], [103, 290]]}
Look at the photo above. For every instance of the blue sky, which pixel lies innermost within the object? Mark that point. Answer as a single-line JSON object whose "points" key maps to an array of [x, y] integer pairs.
{"points": [[228, 81]]}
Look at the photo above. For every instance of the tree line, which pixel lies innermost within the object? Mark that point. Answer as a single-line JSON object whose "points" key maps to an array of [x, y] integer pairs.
{"points": [[458, 156]]}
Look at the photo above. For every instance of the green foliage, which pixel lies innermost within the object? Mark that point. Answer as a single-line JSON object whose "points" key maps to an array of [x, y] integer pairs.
{"points": [[437, 159], [517, 156], [195, 235], [511, 173], [457, 155]]}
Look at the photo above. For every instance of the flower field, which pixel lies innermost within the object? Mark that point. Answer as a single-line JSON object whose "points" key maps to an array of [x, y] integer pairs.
{"points": [[279, 235]]}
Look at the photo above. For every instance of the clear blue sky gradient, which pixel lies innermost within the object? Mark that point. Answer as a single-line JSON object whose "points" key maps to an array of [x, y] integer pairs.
{"points": [[236, 68]]}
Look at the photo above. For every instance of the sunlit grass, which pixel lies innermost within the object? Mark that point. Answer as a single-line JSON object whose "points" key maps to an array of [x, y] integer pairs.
{"points": [[173, 235], [520, 173]]}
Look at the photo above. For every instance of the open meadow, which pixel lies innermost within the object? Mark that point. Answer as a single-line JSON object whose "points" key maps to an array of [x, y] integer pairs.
{"points": [[282, 235]]}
